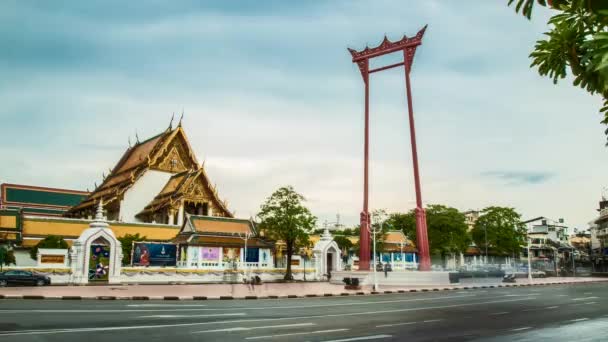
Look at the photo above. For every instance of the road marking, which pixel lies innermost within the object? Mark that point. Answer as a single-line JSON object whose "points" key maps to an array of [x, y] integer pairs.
{"points": [[197, 316], [255, 328], [95, 311], [520, 329], [295, 334], [163, 305], [562, 295], [361, 338], [579, 319], [552, 307], [588, 293], [585, 298], [499, 313], [407, 323], [159, 326], [591, 303]]}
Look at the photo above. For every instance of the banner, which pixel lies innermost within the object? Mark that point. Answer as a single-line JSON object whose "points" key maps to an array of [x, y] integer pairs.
{"points": [[154, 254], [210, 253]]}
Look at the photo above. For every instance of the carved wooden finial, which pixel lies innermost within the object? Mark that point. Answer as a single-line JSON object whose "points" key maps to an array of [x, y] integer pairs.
{"points": [[171, 122], [136, 137], [129, 142], [180, 119]]}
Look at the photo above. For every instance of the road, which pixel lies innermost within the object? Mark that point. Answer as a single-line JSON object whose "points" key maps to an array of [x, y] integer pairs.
{"points": [[556, 313]]}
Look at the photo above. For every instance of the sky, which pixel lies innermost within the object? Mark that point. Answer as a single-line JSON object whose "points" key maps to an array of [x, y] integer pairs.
{"points": [[271, 98]]}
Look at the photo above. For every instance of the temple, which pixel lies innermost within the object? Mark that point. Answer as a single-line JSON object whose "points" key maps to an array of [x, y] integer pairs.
{"points": [[158, 180], [157, 189]]}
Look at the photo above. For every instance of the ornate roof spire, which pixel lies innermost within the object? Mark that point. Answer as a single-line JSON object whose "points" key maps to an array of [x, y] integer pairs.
{"points": [[100, 220], [180, 119], [171, 122]]}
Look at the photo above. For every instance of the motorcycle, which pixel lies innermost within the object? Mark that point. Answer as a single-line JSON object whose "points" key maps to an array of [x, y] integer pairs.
{"points": [[509, 278]]}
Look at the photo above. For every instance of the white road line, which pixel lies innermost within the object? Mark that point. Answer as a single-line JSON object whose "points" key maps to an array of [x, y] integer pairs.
{"points": [[159, 326], [295, 334], [552, 307], [361, 338], [195, 316], [255, 328], [522, 328], [588, 293], [562, 295], [163, 305], [96, 311], [499, 313], [585, 298], [395, 324], [408, 323], [591, 303], [579, 319]]}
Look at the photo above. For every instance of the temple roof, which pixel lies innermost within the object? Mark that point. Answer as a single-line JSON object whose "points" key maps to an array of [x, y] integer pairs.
{"points": [[217, 225], [181, 186], [169, 151]]}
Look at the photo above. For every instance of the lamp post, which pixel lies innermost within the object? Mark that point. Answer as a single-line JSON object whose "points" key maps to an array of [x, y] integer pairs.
{"points": [[529, 263], [246, 237], [402, 256], [485, 231], [573, 264]]}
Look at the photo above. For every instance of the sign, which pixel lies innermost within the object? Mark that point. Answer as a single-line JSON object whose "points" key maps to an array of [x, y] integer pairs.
{"points": [[154, 254], [52, 259], [210, 253], [231, 254], [295, 262]]}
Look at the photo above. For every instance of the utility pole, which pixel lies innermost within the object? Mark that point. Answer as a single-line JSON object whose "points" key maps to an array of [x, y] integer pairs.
{"points": [[529, 263]]}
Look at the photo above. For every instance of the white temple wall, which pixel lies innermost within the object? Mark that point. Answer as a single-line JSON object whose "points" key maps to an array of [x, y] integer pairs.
{"points": [[141, 193]]}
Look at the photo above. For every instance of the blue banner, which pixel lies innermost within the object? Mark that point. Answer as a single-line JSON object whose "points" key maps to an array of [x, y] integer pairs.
{"points": [[154, 254]]}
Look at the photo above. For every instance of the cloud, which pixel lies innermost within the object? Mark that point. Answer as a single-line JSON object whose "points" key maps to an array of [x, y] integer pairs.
{"points": [[519, 177]]}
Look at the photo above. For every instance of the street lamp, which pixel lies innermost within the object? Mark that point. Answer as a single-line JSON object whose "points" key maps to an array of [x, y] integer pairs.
{"points": [[374, 251], [529, 263], [486, 244]]}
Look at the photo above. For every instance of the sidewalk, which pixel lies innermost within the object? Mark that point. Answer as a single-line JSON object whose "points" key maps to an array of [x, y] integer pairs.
{"points": [[242, 291]]}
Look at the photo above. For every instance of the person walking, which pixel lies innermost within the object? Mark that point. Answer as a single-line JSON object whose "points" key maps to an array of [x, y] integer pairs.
{"points": [[385, 270]]}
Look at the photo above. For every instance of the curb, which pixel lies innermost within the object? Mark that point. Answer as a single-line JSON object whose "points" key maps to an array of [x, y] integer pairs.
{"points": [[254, 297]]}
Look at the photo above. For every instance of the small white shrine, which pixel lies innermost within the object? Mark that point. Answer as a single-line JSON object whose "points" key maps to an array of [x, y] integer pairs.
{"points": [[327, 256], [96, 255]]}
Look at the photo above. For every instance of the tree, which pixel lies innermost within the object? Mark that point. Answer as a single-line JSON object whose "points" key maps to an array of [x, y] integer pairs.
{"points": [[7, 257], [505, 232], [343, 243], [51, 241], [446, 229], [284, 217], [126, 242], [577, 41]]}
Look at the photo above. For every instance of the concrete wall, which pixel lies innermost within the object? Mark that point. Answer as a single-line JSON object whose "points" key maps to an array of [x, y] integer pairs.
{"points": [[23, 259], [141, 193]]}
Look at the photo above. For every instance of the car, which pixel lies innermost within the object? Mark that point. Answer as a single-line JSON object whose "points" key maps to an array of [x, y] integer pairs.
{"points": [[21, 277]]}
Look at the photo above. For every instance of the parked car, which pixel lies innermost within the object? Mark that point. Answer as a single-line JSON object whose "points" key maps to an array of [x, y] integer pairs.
{"points": [[20, 277]]}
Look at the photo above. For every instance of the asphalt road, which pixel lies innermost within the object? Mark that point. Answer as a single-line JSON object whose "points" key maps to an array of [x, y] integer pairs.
{"points": [[557, 313]]}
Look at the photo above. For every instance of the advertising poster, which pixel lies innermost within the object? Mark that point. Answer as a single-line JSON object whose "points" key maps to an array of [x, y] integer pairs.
{"points": [[210, 253], [154, 254]]}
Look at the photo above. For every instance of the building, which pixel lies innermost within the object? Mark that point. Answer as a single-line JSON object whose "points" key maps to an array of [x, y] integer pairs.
{"points": [[599, 238], [157, 189], [550, 247], [470, 217]]}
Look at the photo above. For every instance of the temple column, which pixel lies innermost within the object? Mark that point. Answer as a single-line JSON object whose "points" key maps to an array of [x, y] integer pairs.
{"points": [[171, 217], [180, 213]]}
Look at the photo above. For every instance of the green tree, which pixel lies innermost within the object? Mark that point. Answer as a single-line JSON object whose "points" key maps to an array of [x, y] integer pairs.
{"points": [[284, 217], [505, 232], [51, 241], [577, 41], [348, 232], [446, 229], [343, 243], [7, 257], [126, 242]]}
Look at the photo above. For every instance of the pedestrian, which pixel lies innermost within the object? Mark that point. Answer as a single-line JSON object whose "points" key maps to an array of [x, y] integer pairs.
{"points": [[328, 275], [385, 270]]}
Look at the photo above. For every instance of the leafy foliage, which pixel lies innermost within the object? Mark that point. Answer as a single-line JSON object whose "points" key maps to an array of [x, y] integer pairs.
{"points": [[284, 217], [7, 257], [446, 227], [505, 232], [127, 246], [577, 40], [51, 241], [343, 243]]}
